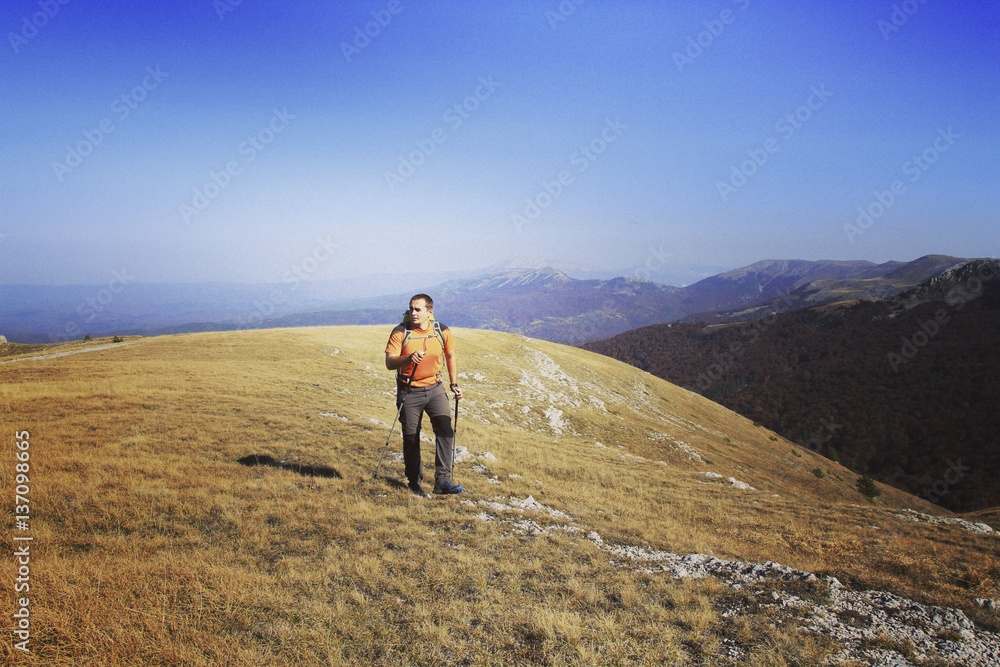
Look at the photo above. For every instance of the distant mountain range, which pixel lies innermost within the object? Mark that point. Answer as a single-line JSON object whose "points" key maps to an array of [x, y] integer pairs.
{"points": [[540, 302], [905, 388], [544, 303]]}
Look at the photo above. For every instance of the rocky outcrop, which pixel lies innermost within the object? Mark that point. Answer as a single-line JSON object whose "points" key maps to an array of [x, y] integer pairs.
{"points": [[870, 627]]}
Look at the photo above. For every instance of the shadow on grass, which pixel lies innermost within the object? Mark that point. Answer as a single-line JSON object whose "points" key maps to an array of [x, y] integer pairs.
{"points": [[394, 483], [299, 468]]}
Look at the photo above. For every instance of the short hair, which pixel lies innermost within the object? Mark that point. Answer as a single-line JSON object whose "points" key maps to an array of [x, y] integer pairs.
{"points": [[429, 301]]}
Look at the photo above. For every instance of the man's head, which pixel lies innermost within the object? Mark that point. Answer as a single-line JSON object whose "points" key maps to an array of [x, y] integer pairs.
{"points": [[421, 310]]}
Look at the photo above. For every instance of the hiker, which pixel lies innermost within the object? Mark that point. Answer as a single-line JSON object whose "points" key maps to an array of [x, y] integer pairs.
{"points": [[415, 350]]}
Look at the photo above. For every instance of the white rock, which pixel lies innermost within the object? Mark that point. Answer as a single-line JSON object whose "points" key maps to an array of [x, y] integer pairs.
{"points": [[741, 485]]}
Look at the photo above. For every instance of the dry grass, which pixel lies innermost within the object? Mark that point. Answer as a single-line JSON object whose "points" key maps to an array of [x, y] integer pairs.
{"points": [[153, 545]]}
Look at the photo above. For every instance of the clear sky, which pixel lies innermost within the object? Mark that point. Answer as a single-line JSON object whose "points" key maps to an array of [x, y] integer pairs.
{"points": [[237, 140]]}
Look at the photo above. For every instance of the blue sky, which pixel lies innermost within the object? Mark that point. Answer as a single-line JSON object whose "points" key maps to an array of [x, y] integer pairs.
{"points": [[237, 140]]}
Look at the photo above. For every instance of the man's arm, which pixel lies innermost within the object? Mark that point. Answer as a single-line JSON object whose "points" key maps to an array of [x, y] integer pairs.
{"points": [[394, 362], [450, 361]]}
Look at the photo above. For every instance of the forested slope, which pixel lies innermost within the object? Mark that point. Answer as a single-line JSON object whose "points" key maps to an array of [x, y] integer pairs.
{"points": [[906, 390]]}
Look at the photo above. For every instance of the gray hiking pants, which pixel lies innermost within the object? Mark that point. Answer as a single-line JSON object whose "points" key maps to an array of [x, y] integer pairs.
{"points": [[434, 401]]}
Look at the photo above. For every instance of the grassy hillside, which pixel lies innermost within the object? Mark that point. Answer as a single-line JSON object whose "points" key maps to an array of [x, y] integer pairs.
{"points": [[153, 544]]}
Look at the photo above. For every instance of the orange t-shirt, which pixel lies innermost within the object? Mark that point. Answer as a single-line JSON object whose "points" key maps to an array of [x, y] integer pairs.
{"points": [[429, 369]]}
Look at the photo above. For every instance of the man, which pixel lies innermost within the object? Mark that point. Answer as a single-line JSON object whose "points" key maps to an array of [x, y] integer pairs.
{"points": [[414, 351]]}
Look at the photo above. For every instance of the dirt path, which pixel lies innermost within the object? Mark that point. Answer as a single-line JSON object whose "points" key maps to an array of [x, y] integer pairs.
{"points": [[63, 354]]}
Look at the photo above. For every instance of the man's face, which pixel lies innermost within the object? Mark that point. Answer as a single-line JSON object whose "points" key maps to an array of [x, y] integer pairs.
{"points": [[419, 313]]}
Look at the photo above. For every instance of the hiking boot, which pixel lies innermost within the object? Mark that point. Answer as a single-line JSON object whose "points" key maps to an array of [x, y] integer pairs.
{"points": [[447, 487], [417, 490]]}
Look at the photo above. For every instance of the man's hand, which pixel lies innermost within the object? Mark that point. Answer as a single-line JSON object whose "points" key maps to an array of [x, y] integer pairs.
{"points": [[457, 390], [417, 357]]}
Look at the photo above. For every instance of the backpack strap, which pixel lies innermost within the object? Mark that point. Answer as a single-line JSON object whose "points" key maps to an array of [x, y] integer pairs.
{"points": [[408, 333], [439, 332]]}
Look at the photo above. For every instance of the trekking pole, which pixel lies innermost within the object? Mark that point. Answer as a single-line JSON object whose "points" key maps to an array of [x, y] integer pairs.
{"points": [[398, 412], [454, 439]]}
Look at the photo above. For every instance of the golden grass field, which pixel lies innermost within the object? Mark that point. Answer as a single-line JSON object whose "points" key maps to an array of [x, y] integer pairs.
{"points": [[153, 545]]}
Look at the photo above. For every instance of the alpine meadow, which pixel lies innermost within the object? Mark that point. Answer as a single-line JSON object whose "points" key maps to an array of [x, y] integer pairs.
{"points": [[208, 499]]}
